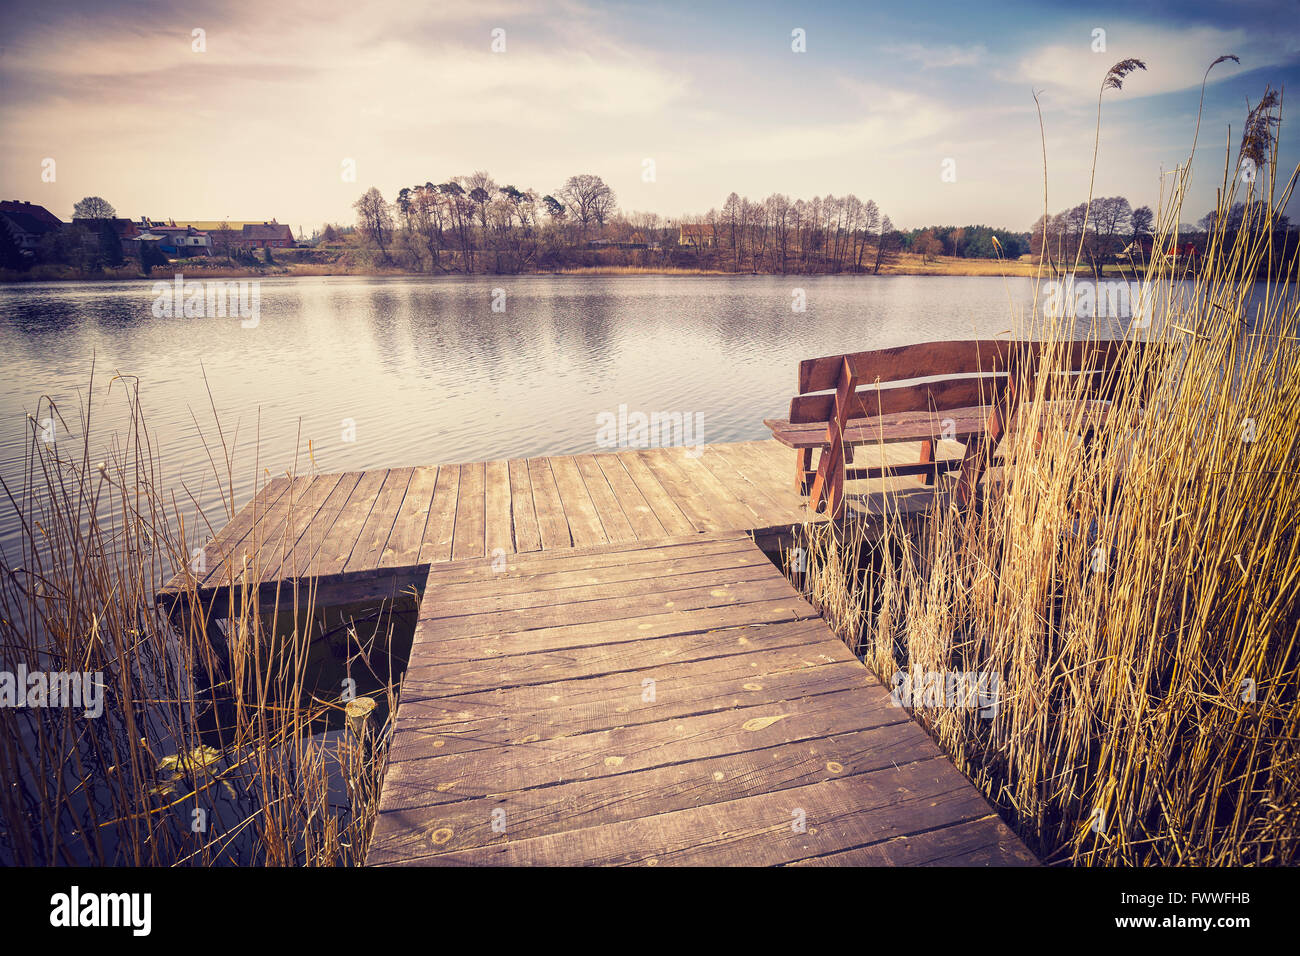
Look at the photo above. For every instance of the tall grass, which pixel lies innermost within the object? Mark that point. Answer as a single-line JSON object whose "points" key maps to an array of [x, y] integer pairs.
{"points": [[1137, 595], [209, 749]]}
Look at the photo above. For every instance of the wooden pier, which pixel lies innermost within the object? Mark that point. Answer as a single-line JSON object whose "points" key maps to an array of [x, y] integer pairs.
{"points": [[608, 669]]}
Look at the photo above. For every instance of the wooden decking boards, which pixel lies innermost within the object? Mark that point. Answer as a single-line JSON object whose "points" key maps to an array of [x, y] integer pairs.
{"points": [[678, 704], [607, 669], [336, 526]]}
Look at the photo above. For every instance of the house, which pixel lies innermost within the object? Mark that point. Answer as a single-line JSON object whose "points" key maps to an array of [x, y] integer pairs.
{"points": [[267, 235], [244, 234], [28, 223], [179, 242], [697, 234]]}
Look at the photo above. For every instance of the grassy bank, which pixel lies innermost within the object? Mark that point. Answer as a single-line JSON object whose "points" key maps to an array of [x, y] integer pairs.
{"points": [[901, 264]]}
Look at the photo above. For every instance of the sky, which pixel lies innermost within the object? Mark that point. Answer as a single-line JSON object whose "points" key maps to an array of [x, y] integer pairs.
{"points": [[266, 112]]}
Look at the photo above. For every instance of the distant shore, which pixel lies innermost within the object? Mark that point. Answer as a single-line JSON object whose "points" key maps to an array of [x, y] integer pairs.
{"points": [[904, 264]]}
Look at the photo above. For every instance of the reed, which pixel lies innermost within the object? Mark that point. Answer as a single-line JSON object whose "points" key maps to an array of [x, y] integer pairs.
{"points": [[209, 747], [1137, 596]]}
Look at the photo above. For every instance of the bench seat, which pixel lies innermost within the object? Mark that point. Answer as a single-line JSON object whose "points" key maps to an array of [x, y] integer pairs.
{"points": [[901, 426], [958, 424]]}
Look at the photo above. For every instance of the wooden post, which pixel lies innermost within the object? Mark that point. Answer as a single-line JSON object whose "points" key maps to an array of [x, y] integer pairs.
{"points": [[829, 483], [927, 458], [980, 449], [802, 465]]}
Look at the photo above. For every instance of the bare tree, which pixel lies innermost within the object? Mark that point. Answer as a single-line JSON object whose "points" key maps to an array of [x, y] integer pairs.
{"points": [[223, 240], [731, 215], [94, 207], [375, 219], [1140, 222], [886, 235], [589, 199]]}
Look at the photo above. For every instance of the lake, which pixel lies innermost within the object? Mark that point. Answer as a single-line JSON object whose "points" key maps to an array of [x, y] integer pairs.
{"points": [[384, 372]]}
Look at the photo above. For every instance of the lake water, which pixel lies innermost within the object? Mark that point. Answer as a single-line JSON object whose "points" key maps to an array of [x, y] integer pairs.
{"points": [[384, 372]]}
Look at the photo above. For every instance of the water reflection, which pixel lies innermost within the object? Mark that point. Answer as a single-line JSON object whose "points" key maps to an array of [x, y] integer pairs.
{"points": [[430, 373]]}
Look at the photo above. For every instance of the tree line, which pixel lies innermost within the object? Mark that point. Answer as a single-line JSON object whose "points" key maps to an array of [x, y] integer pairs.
{"points": [[1098, 233], [967, 242], [473, 224]]}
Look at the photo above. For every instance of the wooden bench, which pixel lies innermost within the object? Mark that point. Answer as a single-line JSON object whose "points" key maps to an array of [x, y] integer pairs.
{"points": [[968, 395]]}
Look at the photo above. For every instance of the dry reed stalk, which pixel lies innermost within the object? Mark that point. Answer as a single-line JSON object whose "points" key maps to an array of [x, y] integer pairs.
{"points": [[1138, 598], [178, 770]]}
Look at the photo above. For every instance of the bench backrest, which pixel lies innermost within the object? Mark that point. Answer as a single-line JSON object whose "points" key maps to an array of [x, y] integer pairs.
{"points": [[962, 374]]}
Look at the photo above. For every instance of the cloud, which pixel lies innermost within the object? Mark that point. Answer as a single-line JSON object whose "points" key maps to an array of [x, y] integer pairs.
{"points": [[1176, 59], [941, 57]]}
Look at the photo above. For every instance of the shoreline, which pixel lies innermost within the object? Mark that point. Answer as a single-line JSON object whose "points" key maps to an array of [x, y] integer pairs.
{"points": [[968, 268]]}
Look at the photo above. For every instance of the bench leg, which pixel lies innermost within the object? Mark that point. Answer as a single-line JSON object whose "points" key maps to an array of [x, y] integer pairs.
{"points": [[802, 465], [835, 499], [828, 486], [979, 451], [927, 458], [829, 483]]}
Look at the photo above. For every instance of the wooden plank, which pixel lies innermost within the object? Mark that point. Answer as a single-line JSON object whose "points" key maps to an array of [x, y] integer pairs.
{"points": [[281, 551], [539, 577], [910, 361], [767, 465], [609, 510], [534, 713], [729, 510], [379, 525], [440, 529], [581, 559], [836, 814], [527, 694], [928, 359], [903, 426], [640, 516], [666, 510], [755, 496], [317, 532], [230, 539], [688, 574], [471, 511], [335, 550], [984, 842], [684, 493], [678, 622], [584, 523], [523, 514], [497, 519], [269, 524], [404, 541], [434, 678], [465, 749], [713, 594], [428, 756], [874, 400], [552, 525], [709, 777]]}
